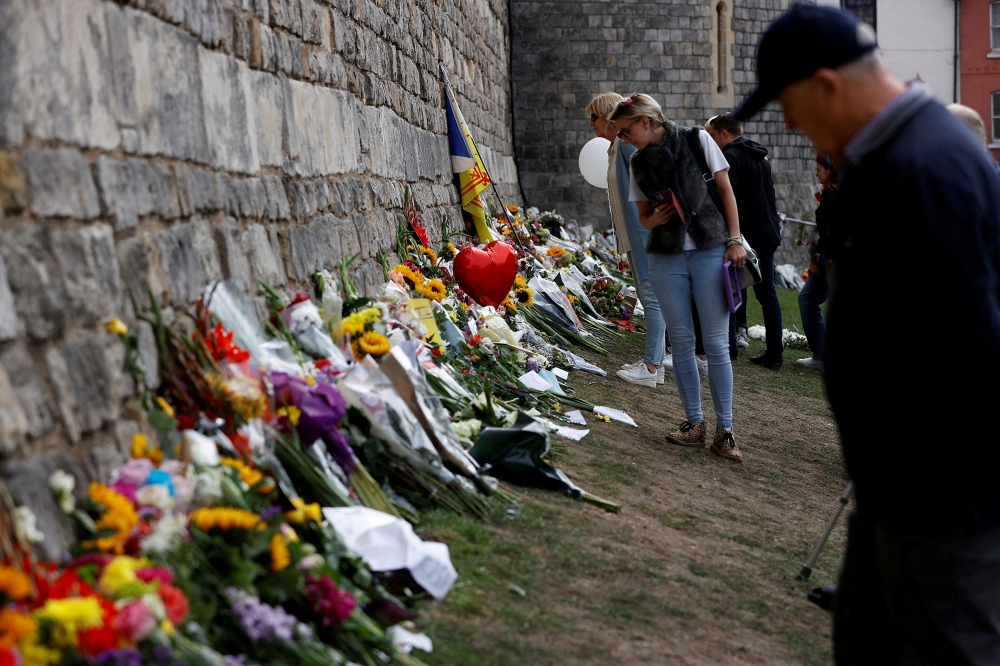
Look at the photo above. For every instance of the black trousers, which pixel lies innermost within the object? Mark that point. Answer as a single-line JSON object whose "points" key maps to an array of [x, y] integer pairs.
{"points": [[768, 298], [699, 344], [917, 600]]}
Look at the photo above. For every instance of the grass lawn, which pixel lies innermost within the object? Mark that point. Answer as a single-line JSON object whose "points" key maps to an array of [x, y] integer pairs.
{"points": [[699, 568]]}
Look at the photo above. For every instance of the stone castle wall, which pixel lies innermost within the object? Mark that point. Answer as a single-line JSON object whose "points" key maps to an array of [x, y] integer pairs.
{"points": [[157, 145], [565, 51]]}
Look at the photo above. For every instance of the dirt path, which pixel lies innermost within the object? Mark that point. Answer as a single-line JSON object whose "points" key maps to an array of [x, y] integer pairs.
{"points": [[697, 569]]}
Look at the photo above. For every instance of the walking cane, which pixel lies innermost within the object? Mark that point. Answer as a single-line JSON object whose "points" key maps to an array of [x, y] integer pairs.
{"points": [[807, 568]]}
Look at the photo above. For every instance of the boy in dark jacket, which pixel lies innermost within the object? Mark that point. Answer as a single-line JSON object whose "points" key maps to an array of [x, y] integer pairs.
{"points": [[750, 174], [921, 578]]}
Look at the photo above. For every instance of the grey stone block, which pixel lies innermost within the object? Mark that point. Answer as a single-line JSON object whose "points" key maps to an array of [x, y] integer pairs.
{"points": [[94, 289], [252, 197], [61, 184], [10, 325], [204, 18], [27, 384], [233, 256], [147, 353], [278, 207], [93, 383], [327, 236], [304, 251], [136, 263], [63, 390], [264, 263], [163, 192], [188, 259], [287, 14], [227, 111], [168, 115], [13, 422], [102, 461], [268, 96], [288, 52], [321, 130], [312, 22], [366, 245], [228, 198], [35, 281], [268, 49], [204, 193], [120, 185]]}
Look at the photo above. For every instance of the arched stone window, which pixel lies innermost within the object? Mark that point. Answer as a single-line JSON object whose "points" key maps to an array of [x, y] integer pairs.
{"points": [[721, 37]]}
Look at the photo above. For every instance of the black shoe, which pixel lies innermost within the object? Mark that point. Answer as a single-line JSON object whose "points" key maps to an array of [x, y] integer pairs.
{"points": [[824, 596], [766, 361]]}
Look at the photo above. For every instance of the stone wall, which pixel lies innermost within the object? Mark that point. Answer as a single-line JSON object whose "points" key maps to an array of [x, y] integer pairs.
{"points": [[157, 145], [565, 51]]}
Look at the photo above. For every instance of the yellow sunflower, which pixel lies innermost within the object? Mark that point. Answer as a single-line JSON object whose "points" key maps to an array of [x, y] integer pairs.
{"points": [[555, 252], [280, 556], [119, 516], [412, 277], [450, 251], [428, 252], [373, 343], [519, 281], [524, 296], [509, 304], [224, 518], [433, 289]]}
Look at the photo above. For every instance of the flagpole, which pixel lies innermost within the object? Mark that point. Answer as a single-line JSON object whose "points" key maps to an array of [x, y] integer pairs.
{"points": [[506, 213]]}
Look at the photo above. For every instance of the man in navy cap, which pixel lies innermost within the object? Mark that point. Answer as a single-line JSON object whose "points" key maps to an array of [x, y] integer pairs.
{"points": [[920, 206]]}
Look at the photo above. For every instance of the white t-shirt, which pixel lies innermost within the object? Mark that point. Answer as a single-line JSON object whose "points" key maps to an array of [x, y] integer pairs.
{"points": [[716, 163]]}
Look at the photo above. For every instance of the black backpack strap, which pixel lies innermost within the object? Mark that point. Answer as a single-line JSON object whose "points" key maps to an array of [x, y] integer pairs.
{"points": [[694, 144]]}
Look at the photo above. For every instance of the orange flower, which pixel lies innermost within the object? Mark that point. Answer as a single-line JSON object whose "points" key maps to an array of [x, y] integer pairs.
{"points": [[14, 583], [119, 515], [15, 627]]}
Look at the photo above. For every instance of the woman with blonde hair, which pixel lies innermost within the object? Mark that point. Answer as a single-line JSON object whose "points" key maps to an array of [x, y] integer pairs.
{"points": [[690, 237], [631, 238]]}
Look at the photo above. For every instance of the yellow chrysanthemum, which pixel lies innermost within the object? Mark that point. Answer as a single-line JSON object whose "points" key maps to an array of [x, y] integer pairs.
{"points": [[412, 277], [141, 449], [249, 475], [120, 571], [280, 556], [34, 653], [428, 252], [224, 518], [71, 616], [555, 252], [117, 326], [356, 323], [165, 406], [15, 627], [14, 583], [292, 412], [572, 298], [524, 296], [374, 343], [119, 515], [519, 281], [433, 289], [303, 512]]}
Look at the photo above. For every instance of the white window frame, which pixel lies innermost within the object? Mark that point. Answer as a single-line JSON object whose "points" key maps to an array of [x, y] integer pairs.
{"points": [[994, 27]]}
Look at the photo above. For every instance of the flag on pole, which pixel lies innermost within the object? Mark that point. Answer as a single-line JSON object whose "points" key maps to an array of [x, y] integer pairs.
{"points": [[465, 161]]}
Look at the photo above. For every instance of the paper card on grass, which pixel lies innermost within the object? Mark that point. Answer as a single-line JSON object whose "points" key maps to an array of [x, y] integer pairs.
{"points": [[572, 433], [576, 416], [533, 380], [553, 382], [615, 414], [586, 366], [560, 373]]}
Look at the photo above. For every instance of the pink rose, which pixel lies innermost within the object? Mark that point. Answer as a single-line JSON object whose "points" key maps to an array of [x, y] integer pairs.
{"points": [[135, 472], [156, 573], [136, 621]]}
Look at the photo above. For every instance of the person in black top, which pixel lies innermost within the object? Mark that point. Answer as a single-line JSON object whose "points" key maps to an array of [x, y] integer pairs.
{"points": [[816, 289], [750, 175], [919, 208]]}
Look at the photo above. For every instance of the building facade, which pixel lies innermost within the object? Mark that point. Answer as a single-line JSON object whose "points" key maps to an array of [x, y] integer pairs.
{"points": [[979, 80]]}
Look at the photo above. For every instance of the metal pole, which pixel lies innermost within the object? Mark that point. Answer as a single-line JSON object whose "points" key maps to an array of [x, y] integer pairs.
{"points": [[807, 568]]}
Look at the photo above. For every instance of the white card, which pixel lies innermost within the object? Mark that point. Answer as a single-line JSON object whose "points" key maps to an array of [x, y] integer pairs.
{"points": [[576, 416], [533, 380], [560, 373], [572, 433], [615, 414]]}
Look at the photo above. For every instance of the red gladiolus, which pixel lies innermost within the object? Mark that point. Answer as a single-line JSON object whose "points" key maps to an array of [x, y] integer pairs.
{"points": [[175, 602], [475, 340]]}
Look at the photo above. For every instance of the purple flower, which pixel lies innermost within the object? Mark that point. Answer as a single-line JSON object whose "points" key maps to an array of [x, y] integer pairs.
{"points": [[322, 407], [125, 489], [135, 472], [119, 658], [261, 622], [531, 364], [270, 511]]}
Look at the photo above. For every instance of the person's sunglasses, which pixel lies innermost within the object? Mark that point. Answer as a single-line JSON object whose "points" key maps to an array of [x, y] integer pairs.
{"points": [[624, 134], [594, 117]]}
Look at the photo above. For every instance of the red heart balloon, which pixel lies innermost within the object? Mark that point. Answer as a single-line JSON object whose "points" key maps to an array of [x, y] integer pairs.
{"points": [[487, 274]]}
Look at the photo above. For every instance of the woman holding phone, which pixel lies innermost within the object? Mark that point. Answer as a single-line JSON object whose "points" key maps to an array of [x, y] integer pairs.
{"points": [[690, 239]]}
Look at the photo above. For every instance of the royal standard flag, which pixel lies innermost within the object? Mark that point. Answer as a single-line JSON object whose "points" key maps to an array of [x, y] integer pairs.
{"points": [[465, 161]]}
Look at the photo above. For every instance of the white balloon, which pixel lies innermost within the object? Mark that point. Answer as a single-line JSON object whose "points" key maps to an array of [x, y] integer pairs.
{"points": [[594, 162]]}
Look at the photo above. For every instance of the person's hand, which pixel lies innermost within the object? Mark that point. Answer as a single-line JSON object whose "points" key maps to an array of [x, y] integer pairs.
{"points": [[661, 214], [813, 266], [736, 254]]}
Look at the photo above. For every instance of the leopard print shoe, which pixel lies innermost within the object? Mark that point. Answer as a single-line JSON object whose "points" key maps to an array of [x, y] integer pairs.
{"points": [[724, 445], [689, 434]]}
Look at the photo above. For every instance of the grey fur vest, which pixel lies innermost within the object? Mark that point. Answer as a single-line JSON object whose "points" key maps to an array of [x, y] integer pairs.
{"points": [[671, 165]]}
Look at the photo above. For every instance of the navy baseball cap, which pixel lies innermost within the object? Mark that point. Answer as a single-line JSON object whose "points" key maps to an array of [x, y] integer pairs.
{"points": [[800, 41]]}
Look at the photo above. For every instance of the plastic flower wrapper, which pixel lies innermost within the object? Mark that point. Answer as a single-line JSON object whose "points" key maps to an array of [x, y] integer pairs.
{"points": [[321, 408], [305, 324]]}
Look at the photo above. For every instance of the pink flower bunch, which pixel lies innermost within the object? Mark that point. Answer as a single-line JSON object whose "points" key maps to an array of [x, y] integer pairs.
{"points": [[328, 601]]}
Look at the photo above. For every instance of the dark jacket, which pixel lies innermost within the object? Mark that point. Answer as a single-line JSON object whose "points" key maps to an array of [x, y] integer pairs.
{"points": [[750, 175], [915, 397], [826, 225], [671, 165]]}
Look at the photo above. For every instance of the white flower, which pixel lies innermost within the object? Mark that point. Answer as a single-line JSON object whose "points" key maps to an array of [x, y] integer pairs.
{"points": [[166, 533], [62, 485], [155, 495], [25, 523], [468, 429], [201, 449], [155, 605], [207, 488], [310, 562], [541, 361]]}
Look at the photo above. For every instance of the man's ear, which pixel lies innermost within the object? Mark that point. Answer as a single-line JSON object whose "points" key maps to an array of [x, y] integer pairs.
{"points": [[829, 83]]}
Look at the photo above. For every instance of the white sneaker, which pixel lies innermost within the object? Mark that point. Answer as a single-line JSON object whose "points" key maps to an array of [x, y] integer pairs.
{"points": [[811, 363], [742, 341], [702, 366], [659, 375], [668, 362], [638, 373]]}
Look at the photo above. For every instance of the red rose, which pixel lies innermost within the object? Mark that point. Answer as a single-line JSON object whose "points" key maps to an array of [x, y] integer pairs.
{"points": [[175, 602]]}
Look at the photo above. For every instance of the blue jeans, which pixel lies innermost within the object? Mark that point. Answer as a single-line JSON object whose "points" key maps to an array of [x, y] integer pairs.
{"points": [[814, 294], [675, 279], [768, 298], [655, 328]]}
